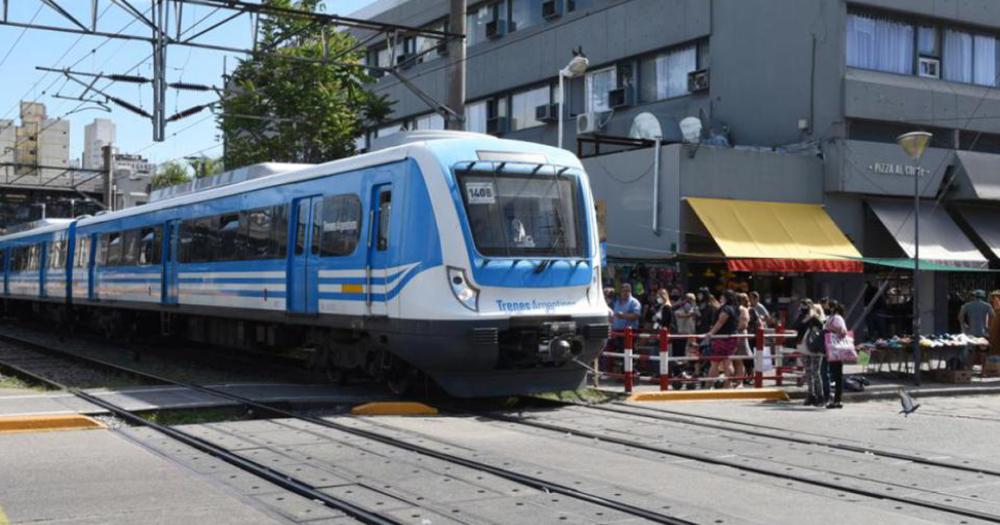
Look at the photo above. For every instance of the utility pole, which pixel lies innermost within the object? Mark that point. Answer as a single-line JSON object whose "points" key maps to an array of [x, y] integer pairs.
{"points": [[109, 177], [456, 67]]}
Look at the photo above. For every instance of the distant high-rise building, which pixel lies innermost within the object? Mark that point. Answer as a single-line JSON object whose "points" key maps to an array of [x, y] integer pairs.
{"points": [[96, 135]]}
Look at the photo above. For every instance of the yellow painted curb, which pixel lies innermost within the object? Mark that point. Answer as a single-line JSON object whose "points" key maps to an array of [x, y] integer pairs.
{"points": [[43, 422], [394, 408], [767, 394]]}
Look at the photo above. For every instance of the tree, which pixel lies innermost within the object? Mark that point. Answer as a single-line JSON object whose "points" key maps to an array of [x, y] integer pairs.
{"points": [[171, 174], [205, 166], [289, 104]]}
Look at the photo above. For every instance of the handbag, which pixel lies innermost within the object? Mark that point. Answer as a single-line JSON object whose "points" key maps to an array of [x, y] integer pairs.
{"points": [[840, 349]]}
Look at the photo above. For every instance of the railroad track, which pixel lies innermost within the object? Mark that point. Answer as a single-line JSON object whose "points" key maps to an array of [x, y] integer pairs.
{"points": [[300, 487], [563, 430]]}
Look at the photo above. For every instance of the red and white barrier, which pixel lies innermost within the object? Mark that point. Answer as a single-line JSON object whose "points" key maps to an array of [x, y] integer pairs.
{"points": [[663, 337]]}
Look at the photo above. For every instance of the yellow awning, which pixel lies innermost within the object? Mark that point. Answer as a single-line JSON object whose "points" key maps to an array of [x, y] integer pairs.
{"points": [[776, 231]]}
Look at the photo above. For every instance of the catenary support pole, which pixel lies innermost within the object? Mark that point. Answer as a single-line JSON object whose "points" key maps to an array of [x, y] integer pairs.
{"points": [[456, 67]]}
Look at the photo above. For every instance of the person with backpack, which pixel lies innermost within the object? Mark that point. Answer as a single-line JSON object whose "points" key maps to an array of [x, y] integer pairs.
{"points": [[811, 345]]}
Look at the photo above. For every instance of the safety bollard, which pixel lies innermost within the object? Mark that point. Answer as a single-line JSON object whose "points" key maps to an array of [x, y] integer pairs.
{"points": [[664, 359], [628, 360], [758, 359]]}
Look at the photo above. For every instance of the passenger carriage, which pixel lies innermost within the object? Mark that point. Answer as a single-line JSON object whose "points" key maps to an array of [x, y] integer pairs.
{"points": [[471, 259]]}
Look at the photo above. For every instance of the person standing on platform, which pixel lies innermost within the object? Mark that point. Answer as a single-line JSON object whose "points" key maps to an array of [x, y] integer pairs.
{"points": [[975, 317], [995, 323], [835, 324], [726, 320]]}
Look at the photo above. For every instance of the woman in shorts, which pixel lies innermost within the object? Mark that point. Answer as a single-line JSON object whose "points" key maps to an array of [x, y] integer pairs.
{"points": [[723, 348]]}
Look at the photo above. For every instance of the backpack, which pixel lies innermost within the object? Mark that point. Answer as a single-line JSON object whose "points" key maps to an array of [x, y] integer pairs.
{"points": [[814, 340]]}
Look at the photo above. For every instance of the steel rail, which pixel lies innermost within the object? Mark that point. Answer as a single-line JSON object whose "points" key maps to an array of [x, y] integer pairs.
{"points": [[950, 509], [527, 480], [257, 469], [791, 439]]}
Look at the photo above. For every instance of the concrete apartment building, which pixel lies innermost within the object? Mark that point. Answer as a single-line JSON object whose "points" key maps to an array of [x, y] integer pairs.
{"points": [[800, 101], [96, 135]]}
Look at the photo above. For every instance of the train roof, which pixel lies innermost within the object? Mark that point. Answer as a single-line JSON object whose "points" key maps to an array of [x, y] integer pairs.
{"points": [[438, 143], [50, 226]]}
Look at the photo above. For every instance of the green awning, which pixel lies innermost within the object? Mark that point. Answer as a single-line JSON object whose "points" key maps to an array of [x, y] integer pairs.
{"points": [[928, 266]]}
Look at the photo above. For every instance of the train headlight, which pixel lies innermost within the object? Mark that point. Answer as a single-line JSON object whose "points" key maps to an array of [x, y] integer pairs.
{"points": [[462, 289]]}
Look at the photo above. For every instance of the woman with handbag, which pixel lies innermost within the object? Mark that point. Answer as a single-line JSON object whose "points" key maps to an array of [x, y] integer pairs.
{"points": [[810, 345], [836, 327]]}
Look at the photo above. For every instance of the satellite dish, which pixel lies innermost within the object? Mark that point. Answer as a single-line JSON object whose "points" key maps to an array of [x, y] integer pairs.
{"points": [[691, 129], [645, 125]]}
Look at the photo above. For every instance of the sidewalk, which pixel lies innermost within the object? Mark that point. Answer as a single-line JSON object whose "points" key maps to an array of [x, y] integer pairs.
{"points": [[883, 386]]}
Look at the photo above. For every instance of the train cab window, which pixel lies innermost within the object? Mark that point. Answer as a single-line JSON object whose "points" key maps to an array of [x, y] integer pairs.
{"points": [[341, 225], [384, 219], [114, 257]]}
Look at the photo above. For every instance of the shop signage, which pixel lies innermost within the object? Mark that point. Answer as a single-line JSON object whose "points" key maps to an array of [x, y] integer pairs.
{"points": [[892, 168]]}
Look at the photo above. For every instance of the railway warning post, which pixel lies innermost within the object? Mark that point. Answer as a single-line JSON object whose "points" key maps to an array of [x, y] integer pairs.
{"points": [[628, 360], [664, 345]]}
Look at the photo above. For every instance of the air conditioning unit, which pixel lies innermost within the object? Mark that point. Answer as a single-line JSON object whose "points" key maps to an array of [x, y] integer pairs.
{"points": [[404, 60], [620, 98], [929, 67], [698, 81], [552, 9], [496, 125], [547, 113], [588, 123]]}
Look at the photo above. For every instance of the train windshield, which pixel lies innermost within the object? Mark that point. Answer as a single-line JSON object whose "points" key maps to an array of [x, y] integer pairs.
{"points": [[523, 210]]}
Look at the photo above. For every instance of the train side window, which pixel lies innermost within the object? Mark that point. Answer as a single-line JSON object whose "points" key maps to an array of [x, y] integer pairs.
{"points": [[114, 249], [36, 257], [341, 225], [149, 246], [55, 261], [384, 218], [228, 246], [280, 232], [101, 257], [256, 234], [82, 253], [185, 241], [205, 239], [130, 247]]}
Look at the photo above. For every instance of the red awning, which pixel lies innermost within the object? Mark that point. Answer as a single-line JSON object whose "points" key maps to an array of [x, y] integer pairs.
{"points": [[794, 265]]}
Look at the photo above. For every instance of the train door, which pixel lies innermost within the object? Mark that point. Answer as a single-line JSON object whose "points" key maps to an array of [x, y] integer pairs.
{"points": [[171, 256], [380, 215], [303, 274], [43, 267], [92, 266]]}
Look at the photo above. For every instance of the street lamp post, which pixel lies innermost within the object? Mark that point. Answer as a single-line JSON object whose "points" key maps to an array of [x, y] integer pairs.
{"points": [[914, 144], [576, 67]]}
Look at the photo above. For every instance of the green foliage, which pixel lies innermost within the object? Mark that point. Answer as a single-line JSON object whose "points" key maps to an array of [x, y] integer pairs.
{"points": [[298, 100], [170, 174], [205, 166]]}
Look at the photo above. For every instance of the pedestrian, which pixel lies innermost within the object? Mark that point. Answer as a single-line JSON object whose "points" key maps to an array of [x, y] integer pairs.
{"points": [[743, 343], [809, 343], [760, 318], [723, 347], [836, 325], [975, 318], [995, 323], [663, 311], [706, 310], [626, 310]]}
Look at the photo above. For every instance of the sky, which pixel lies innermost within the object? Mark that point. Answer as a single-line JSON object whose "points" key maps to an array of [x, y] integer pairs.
{"points": [[21, 51]]}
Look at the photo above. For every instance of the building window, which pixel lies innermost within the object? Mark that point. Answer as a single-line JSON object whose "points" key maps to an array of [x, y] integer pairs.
{"points": [[665, 75], [970, 58], [525, 13], [597, 85], [522, 107], [879, 44], [476, 20], [431, 121], [475, 117]]}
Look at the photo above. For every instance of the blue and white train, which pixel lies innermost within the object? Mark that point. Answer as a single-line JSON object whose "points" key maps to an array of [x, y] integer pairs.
{"points": [[470, 259]]}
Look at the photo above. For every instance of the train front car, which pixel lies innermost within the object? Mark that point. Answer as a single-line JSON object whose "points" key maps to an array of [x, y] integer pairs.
{"points": [[521, 309]]}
